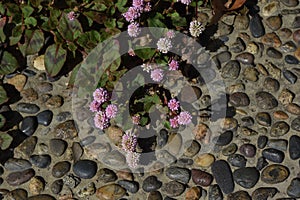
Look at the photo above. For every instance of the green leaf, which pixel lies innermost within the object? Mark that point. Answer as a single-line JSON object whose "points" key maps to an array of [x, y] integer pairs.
{"points": [[2, 121], [74, 75], [27, 11], [100, 18], [30, 21], [35, 3], [89, 40], [110, 23], [156, 23], [69, 29], [16, 35], [144, 121], [8, 63], [2, 25], [34, 41], [120, 5], [55, 57], [167, 125], [98, 7], [177, 20], [3, 95], [145, 53], [5, 140], [2, 9]]}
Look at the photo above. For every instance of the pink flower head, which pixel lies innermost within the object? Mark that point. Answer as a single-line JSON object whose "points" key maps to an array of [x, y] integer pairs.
{"points": [[174, 122], [136, 119], [173, 65], [101, 121], [129, 142], [131, 52], [147, 7], [186, 2], [132, 159], [132, 14], [138, 4], [111, 111], [100, 95], [134, 29], [184, 118], [157, 75], [94, 106], [170, 34], [173, 104], [71, 15]]}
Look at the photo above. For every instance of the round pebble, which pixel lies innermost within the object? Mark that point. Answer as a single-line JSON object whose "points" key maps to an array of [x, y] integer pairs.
{"points": [[237, 160], [60, 169], [85, 169], [275, 173], [151, 183], [248, 150]]}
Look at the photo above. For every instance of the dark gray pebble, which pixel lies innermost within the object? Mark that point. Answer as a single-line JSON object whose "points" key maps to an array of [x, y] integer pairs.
{"points": [[265, 100], [246, 177], [41, 161], [261, 163], [231, 70], [29, 72], [248, 150], [173, 188], [85, 169], [29, 125], [45, 117], [57, 186], [294, 147], [223, 175], [247, 121], [279, 144], [295, 124], [27, 108], [237, 160], [60, 169], [289, 76], [239, 195], [63, 116], [151, 183], [274, 53], [179, 174], [238, 46], [57, 146], [130, 186], [273, 155], [215, 193], [17, 164], [262, 141], [223, 139], [163, 138], [18, 178], [293, 189], [289, 59], [257, 28], [263, 118], [264, 193]]}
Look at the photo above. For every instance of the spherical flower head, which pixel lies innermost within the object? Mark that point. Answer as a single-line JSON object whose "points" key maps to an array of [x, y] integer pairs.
{"points": [[184, 118], [170, 34], [173, 65], [173, 104], [71, 15], [132, 159], [94, 106], [174, 122], [196, 28], [131, 14], [100, 95], [129, 142], [138, 4], [134, 29], [111, 111], [136, 119], [186, 2], [101, 121], [164, 45], [157, 75], [147, 7]]}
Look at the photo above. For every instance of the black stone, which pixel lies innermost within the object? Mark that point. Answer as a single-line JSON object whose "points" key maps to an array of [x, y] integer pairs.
{"points": [[246, 177], [264, 193], [41, 161], [17, 164], [215, 193], [28, 72], [261, 163], [223, 176], [57, 186], [262, 141], [151, 183], [45, 117], [163, 138], [29, 125], [60, 169], [293, 189], [289, 59], [294, 147], [257, 28], [273, 53], [179, 174], [223, 139], [295, 124], [85, 169], [27, 108], [237, 160], [247, 121], [273, 155], [130, 186], [57, 146], [265, 100], [289, 76]]}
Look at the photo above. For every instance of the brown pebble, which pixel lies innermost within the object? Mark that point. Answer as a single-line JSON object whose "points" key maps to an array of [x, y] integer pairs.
{"points": [[202, 133], [284, 33], [110, 192], [281, 115], [261, 69], [36, 185], [296, 36], [125, 175], [54, 102], [274, 22], [205, 160], [18, 81], [285, 97], [193, 193], [29, 95], [293, 108], [297, 53], [271, 39]]}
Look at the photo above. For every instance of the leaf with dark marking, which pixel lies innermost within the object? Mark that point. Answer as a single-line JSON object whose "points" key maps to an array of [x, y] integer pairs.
{"points": [[55, 57]]}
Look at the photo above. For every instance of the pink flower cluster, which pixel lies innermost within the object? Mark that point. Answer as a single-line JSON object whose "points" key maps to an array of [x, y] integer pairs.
{"points": [[183, 118], [102, 115], [133, 13], [129, 142]]}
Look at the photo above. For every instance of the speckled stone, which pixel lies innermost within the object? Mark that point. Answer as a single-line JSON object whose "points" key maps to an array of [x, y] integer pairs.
{"points": [[178, 174], [288, 47], [36, 185], [231, 70], [250, 74], [290, 3], [285, 97], [265, 100], [271, 39], [192, 148], [264, 193], [173, 188], [263, 118], [271, 84], [66, 130], [274, 22], [274, 173], [18, 178], [215, 193], [279, 128], [239, 195]]}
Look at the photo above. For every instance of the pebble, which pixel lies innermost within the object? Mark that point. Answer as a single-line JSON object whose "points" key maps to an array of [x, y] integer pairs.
{"points": [[18, 178], [224, 56], [54, 102], [285, 33], [295, 124], [241, 22], [293, 189], [178, 174], [29, 125], [274, 22], [71, 181], [109, 192], [162, 139], [60, 169], [288, 47], [279, 144], [56, 186], [264, 193], [274, 173], [62, 116], [273, 70], [130, 186], [36, 185], [246, 177], [270, 9], [265, 100], [293, 108], [231, 70], [237, 160], [151, 183], [223, 176], [16, 194], [174, 143], [290, 3], [201, 178], [245, 58], [42, 197], [239, 195], [173, 188], [273, 53], [281, 115], [26, 148], [44, 87], [215, 193], [248, 150], [224, 138], [85, 169], [261, 163], [238, 46], [229, 123], [296, 22], [239, 99], [262, 141], [66, 130], [204, 160], [263, 118], [45, 117], [77, 151], [286, 97], [247, 121], [87, 190], [40, 161], [257, 28], [27, 108], [279, 128], [294, 147], [290, 59], [289, 76], [230, 149], [271, 39], [17, 164], [29, 94], [106, 175], [18, 81], [155, 195], [57, 146], [250, 74], [252, 47], [202, 133], [193, 193], [297, 52], [273, 155], [191, 148], [191, 94]]}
